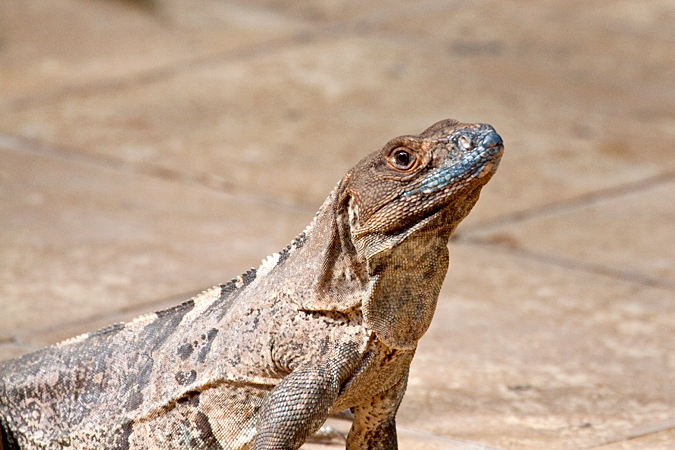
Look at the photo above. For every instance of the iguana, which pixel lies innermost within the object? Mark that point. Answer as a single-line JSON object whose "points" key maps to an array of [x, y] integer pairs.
{"points": [[329, 323]]}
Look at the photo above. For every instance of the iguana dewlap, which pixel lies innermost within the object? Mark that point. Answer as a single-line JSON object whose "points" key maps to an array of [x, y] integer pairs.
{"points": [[329, 323]]}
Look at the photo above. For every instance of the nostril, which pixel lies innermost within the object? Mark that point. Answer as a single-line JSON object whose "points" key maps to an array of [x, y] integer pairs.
{"points": [[465, 142], [492, 140]]}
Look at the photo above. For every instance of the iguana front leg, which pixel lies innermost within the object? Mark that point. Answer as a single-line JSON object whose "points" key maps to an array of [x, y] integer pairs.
{"points": [[297, 407], [374, 426]]}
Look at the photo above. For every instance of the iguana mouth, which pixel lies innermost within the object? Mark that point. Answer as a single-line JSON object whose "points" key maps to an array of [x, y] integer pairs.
{"points": [[482, 149]]}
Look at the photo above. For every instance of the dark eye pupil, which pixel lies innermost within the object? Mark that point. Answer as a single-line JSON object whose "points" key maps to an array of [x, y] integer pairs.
{"points": [[402, 158]]}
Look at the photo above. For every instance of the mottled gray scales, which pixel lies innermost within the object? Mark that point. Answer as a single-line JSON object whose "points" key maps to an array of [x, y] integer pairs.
{"points": [[330, 323]]}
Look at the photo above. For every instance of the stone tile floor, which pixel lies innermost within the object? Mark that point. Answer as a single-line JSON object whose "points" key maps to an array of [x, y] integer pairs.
{"points": [[151, 149]]}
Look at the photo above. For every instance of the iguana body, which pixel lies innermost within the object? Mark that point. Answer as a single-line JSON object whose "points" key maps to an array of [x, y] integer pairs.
{"points": [[330, 323]]}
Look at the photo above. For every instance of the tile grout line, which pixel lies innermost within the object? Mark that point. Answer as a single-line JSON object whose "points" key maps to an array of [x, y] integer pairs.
{"points": [[668, 426], [572, 264], [566, 205], [447, 439], [313, 32], [153, 74], [24, 145]]}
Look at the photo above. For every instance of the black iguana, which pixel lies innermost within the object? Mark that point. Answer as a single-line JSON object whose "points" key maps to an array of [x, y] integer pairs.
{"points": [[329, 323]]}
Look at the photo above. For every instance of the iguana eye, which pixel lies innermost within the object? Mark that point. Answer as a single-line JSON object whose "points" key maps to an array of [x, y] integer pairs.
{"points": [[402, 158]]}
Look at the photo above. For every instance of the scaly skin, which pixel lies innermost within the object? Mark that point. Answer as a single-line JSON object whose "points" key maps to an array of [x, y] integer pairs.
{"points": [[330, 323]]}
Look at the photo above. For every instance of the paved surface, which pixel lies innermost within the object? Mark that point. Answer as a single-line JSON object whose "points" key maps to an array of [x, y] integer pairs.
{"points": [[151, 149]]}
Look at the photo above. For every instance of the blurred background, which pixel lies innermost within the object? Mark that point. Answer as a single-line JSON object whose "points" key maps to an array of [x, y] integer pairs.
{"points": [[150, 149]]}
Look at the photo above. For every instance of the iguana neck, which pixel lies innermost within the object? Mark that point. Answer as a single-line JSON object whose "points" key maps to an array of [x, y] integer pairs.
{"points": [[321, 268], [395, 287]]}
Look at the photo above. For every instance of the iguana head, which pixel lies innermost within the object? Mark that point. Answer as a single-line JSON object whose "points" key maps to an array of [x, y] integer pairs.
{"points": [[398, 190], [390, 219]]}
